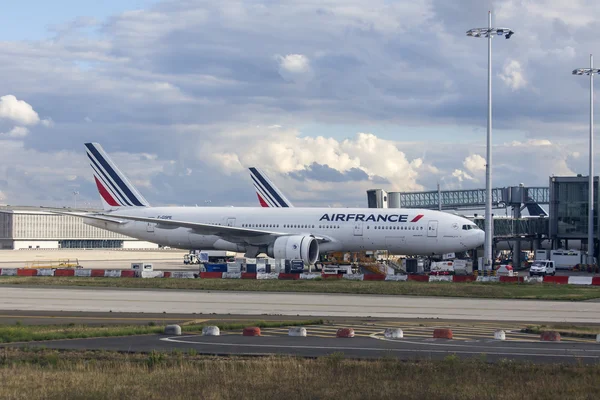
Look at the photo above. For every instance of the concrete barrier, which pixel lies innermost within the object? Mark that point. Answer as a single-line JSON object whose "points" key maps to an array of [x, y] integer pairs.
{"points": [[332, 276], [288, 277], [249, 275], [560, 280], [463, 278], [97, 273], [45, 272], [550, 336], [265, 276], [153, 274], [511, 279], [345, 333], [232, 275], [393, 333], [64, 272], [309, 276], [580, 280], [127, 273], [500, 335], [353, 277], [533, 279], [488, 279], [8, 272], [112, 273], [211, 331], [396, 278], [418, 278], [297, 331], [596, 281], [26, 272], [83, 272], [183, 275], [374, 277], [251, 331], [174, 330], [440, 278], [442, 333], [211, 275]]}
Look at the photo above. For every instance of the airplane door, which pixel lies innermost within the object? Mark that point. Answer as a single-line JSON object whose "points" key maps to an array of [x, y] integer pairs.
{"points": [[150, 227], [230, 221], [358, 228], [432, 229]]}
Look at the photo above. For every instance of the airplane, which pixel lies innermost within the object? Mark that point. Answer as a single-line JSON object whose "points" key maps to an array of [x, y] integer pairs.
{"points": [[280, 232]]}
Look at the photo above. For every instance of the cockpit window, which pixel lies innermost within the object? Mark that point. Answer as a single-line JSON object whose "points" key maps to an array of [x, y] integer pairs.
{"points": [[469, 227]]}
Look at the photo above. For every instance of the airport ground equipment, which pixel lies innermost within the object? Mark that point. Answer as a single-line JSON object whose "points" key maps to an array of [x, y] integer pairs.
{"points": [[60, 263]]}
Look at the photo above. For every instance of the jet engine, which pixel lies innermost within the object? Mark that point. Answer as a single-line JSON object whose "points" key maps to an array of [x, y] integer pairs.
{"points": [[295, 247]]}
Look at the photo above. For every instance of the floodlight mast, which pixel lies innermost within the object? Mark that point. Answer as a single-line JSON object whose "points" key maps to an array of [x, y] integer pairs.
{"points": [[591, 71], [489, 33]]}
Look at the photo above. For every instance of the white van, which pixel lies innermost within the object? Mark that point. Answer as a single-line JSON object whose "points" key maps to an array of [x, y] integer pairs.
{"points": [[542, 268]]}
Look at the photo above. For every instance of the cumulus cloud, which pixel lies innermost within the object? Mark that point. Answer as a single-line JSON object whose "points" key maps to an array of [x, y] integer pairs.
{"points": [[512, 75], [18, 111], [474, 163], [16, 132], [324, 70], [294, 67]]}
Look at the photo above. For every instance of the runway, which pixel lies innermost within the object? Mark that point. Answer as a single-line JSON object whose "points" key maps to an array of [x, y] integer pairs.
{"points": [[294, 304]]}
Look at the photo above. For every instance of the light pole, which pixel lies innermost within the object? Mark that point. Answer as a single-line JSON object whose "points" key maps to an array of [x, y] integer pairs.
{"points": [[75, 194], [591, 72], [489, 33]]}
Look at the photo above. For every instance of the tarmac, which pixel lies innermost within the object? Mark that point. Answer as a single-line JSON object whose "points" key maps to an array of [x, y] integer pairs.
{"points": [[361, 346], [16, 297]]}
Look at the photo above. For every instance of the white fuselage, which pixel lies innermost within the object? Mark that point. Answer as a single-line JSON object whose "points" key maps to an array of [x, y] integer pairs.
{"points": [[400, 231]]}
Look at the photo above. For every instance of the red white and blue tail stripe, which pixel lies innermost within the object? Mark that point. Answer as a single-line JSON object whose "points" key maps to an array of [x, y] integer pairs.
{"points": [[115, 189], [268, 194]]}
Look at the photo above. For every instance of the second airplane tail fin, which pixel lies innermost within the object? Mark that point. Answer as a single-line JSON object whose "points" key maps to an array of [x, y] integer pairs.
{"points": [[268, 194], [115, 189]]}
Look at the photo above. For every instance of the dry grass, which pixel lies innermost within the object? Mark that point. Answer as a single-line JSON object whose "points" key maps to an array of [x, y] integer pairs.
{"points": [[442, 289], [50, 375], [30, 333]]}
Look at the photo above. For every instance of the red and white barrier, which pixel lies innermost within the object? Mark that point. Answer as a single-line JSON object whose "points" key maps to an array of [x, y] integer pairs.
{"points": [[265, 276], [374, 277], [232, 275], [441, 278], [45, 272], [353, 277], [83, 272], [309, 276], [8, 272], [288, 277], [561, 280], [182, 275], [396, 278], [112, 273], [580, 280]]}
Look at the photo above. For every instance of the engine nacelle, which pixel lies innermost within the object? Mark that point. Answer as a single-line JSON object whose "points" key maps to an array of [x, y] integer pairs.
{"points": [[305, 248]]}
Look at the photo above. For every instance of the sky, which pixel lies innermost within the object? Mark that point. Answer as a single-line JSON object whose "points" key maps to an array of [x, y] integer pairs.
{"points": [[329, 98]]}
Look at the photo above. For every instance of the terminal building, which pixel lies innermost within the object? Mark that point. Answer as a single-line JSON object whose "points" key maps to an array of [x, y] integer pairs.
{"points": [[34, 228], [564, 226]]}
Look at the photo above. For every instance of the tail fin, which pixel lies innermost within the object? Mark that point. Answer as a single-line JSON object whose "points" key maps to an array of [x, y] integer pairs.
{"points": [[268, 194], [115, 189]]}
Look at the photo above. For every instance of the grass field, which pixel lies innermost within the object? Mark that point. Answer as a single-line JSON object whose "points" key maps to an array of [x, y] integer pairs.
{"points": [[446, 289], [28, 333], [34, 373]]}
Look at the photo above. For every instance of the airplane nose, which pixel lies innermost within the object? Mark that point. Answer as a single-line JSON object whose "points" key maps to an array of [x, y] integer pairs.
{"points": [[480, 237]]}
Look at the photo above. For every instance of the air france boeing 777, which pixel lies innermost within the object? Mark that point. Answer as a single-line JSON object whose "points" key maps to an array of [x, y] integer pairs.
{"points": [[282, 232]]}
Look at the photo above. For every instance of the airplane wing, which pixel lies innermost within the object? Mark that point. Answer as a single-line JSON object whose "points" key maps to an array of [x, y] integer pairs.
{"points": [[90, 216], [229, 233]]}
